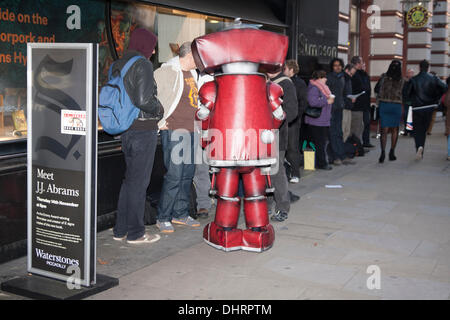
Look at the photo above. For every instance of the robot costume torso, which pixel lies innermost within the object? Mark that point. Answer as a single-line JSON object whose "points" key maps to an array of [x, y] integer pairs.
{"points": [[240, 113]]}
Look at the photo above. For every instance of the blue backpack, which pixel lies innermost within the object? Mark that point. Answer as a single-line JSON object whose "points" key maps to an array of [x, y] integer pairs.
{"points": [[116, 111]]}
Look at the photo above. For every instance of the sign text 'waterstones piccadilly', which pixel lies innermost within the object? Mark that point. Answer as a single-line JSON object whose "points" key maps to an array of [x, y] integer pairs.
{"points": [[62, 160]]}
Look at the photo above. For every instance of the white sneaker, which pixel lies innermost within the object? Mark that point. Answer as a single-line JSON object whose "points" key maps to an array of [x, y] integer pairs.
{"points": [[419, 154], [294, 180], [146, 238]]}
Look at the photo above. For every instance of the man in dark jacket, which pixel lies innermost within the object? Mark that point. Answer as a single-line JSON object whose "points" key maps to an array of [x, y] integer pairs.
{"points": [[336, 83], [139, 141], [424, 92], [293, 151], [279, 180], [349, 71], [361, 107]]}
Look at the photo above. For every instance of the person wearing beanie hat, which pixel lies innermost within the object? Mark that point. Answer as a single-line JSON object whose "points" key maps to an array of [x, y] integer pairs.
{"points": [[143, 41], [140, 140]]}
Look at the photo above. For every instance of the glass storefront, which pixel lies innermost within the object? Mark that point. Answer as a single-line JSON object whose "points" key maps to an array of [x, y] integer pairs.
{"points": [[77, 21], [50, 22]]}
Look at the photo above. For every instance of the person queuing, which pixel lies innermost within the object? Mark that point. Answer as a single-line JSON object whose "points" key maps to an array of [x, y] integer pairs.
{"points": [[179, 96], [446, 104], [291, 70], [202, 180], [336, 83], [139, 141], [361, 107], [389, 93], [282, 196], [348, 102], [424, 92], [406, 104], [319, 96]]}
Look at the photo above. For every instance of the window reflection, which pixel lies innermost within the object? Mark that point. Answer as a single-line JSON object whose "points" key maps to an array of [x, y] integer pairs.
{"points": [[172, 26]]}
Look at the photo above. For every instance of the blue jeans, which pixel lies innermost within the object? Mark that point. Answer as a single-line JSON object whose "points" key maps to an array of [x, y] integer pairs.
{"points": [[139, 149], [448, 145], [176, 190]]}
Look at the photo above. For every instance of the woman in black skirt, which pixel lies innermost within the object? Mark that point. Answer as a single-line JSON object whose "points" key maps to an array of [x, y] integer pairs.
{"points": [[389, 96]]}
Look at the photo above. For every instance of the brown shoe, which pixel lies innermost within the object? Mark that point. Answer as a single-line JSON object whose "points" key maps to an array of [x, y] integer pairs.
{"points": [[337, 162]]}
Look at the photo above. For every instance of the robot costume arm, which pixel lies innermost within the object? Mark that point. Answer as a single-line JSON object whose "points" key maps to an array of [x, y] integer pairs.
{"points": [[275, 92], [207, 98]]}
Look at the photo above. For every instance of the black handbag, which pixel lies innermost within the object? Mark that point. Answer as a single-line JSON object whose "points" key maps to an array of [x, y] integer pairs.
{"points": [[313, 112]]}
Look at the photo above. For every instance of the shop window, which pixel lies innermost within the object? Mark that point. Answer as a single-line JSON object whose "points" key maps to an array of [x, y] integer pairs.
{"points": [[172, 26], [13, 105]]}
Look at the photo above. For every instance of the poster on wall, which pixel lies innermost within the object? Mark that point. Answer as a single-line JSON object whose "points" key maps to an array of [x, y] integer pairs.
{"points": [[62, 160], [68, 21], [43, 21]]}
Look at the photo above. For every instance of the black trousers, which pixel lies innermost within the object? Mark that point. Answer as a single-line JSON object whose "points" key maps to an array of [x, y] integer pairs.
{"points": [[421, 122], [366, 121], [293, 148], [139, 149], [319, 136]]}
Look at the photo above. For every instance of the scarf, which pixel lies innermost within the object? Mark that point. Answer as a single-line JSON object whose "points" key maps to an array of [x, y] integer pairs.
{"points": [[322, 87]]}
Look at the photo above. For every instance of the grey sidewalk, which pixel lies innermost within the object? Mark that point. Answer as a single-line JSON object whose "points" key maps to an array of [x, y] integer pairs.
{"points": [[394, 215]]}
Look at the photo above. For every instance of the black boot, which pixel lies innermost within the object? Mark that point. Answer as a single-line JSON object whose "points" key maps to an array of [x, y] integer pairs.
{"points": [[392, 156], [383, 155]]}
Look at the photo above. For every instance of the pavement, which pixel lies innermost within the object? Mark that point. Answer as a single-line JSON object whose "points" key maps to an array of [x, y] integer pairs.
{"points": [[383, 235]]}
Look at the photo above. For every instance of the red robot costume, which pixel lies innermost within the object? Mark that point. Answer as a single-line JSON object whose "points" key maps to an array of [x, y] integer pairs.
{"points": [[235, 108]]}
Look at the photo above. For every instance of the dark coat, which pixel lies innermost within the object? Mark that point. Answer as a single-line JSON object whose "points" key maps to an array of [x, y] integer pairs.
{"points": [[361, 82], [290, 107], [336, 83], [424, 89], [348, 104], [141, 87], [301, 90], [389, 90]]}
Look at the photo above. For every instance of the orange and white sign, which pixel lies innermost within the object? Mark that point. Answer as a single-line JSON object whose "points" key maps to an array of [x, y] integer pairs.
{"points": [[73, 122]]}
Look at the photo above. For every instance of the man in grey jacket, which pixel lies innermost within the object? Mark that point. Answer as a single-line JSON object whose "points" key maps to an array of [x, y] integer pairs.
{"points": [[178, 92], [139, 141], [282, 196]]}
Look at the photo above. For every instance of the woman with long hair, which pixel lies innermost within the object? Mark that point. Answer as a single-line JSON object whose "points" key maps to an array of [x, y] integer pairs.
{"points": [[319, 96], [389, 96]]}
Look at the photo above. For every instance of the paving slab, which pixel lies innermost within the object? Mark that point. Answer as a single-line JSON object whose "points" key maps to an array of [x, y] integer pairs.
{"points": [[394, 215]]}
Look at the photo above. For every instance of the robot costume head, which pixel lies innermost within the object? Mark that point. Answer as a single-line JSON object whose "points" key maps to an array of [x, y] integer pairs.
{"points": [[242, 48]]}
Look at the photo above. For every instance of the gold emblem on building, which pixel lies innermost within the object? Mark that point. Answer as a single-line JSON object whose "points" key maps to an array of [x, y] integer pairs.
{"points": [[417, 17]]}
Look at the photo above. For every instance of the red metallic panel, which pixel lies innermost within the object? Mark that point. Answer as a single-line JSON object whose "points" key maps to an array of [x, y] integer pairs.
{"points": [[227, 182], [240, 114], [240, 45], [227, 213], [254, 183], [256, 213], [262, 240]]}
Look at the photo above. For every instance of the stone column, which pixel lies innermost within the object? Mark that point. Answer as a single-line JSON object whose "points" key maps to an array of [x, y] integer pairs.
{"points": [[439, 40]]}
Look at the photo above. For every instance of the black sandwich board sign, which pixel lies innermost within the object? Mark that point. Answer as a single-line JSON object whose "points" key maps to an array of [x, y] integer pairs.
{"points": [[61, 174], [62, 161]]}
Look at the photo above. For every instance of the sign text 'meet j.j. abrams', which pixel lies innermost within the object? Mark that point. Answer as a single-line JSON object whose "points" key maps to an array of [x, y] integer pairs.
{"points": [[62, 143]]}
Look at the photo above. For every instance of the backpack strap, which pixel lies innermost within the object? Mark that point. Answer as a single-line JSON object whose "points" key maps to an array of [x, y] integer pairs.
{"points": [[277, 81], [110, 71], [128, 65]]}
